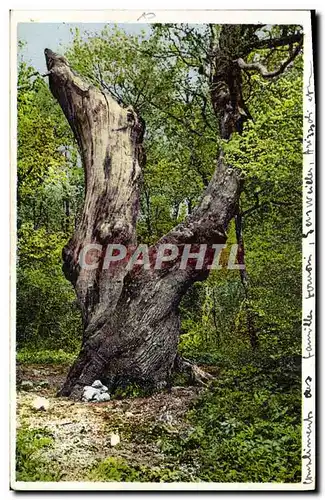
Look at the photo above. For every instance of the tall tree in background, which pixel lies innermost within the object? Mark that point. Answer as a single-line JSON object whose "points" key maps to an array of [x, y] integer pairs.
{"points": [[46, 181], [131, 318]]}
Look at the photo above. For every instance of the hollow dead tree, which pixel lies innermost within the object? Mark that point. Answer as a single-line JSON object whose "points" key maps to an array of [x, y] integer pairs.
{"points": [[130, 317]]}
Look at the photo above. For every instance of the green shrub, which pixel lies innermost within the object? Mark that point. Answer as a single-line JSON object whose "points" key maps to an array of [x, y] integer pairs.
{"points": [[42, 356], [245, 428], [46, 308], [113, 469], [29, 464], [118, 470]]}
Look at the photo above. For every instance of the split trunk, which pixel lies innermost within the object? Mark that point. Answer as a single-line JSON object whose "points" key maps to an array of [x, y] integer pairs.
{"points": [[131, 317]]}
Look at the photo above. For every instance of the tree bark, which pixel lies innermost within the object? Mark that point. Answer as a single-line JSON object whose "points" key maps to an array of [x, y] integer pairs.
{"points": [[226, 80], [131, 318]]}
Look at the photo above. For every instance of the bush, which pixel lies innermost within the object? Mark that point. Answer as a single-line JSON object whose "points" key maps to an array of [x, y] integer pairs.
{"points": [[47, 311], [29, 464], [246, 428], [33, 356], [117, 469]]}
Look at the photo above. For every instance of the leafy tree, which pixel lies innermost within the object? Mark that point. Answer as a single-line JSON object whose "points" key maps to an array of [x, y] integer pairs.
{"points": [[49, 193]]}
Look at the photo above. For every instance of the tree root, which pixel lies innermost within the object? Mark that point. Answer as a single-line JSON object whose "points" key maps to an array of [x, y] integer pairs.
{"points": [[196, 375]]}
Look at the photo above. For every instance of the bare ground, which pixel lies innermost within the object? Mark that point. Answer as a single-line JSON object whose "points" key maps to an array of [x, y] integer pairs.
{"points": [[82, 431]]}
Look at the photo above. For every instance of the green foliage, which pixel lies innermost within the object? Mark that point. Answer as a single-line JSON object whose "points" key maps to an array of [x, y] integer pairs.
{"points": [[29, 464], [117, 469], [32, 355], [113, 469], [52, 315], [209, 318], [246, 428], [49, 194], [214, 322]]}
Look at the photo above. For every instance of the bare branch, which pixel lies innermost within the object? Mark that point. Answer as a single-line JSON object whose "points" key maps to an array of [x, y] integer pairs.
{"points": [[179, 120], [270, 43], [259, 205], [263, 70], [20, 87]]}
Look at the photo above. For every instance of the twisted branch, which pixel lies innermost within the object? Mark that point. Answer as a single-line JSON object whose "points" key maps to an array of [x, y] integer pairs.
{"points": [[263, 70]]}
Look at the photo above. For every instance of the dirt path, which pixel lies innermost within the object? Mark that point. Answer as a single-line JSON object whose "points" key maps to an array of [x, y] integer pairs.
{"points": [[82, 431]]}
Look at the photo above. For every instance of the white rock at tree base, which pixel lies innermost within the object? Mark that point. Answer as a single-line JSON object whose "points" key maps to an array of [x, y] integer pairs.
{"points": [[89, 388], [89, 393], [98, 385], [96, 392], [102, 397], [40, 404]]}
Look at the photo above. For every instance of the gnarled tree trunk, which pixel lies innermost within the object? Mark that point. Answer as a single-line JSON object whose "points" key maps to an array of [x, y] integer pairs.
{"points": [[131, 317]]}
